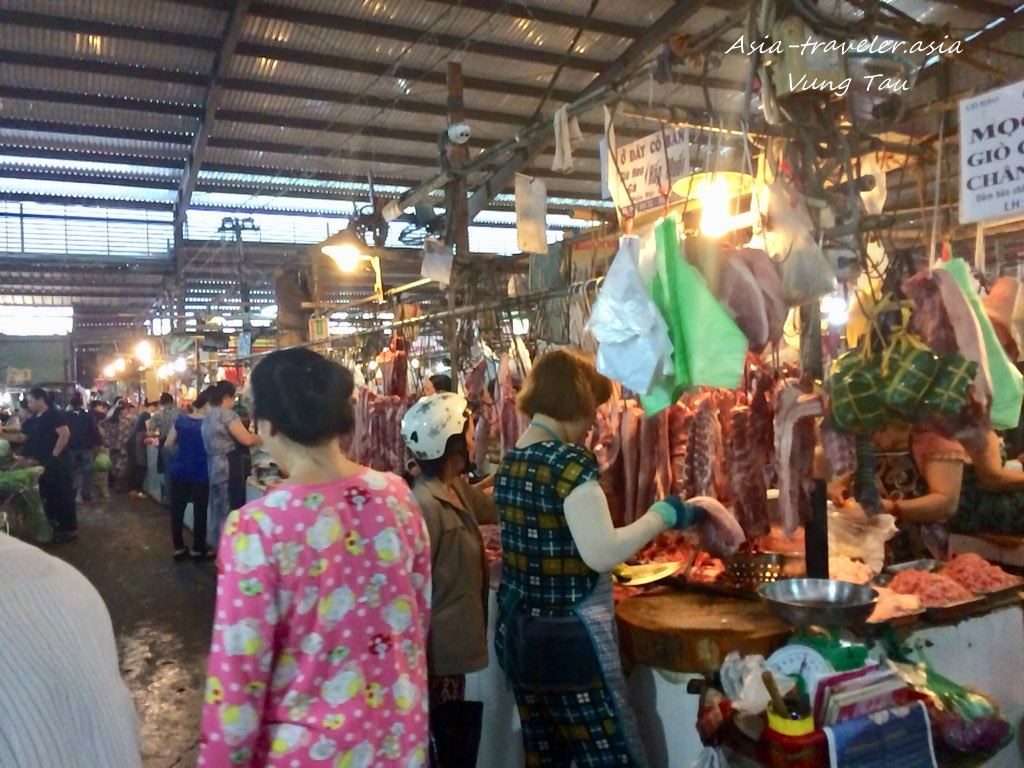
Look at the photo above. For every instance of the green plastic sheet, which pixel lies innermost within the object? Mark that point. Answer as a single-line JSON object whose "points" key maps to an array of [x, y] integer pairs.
{"points": [[709, 348], [1007, 382]]}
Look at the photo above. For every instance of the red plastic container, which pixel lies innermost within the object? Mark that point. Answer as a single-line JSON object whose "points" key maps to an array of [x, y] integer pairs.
{"points": [[781, 751]]}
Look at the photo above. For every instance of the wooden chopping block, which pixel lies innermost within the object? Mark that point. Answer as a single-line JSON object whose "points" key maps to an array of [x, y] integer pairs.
{"points": [[693, 633]]}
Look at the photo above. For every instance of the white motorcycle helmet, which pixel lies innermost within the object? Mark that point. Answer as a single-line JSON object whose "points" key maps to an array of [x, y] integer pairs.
{"points": [[427, 426]]}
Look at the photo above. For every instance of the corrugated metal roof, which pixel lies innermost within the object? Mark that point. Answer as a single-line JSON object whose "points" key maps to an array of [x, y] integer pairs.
{"points": [[76, 114], [14, 37], [152, 14], [66, 81], [92, 144]]}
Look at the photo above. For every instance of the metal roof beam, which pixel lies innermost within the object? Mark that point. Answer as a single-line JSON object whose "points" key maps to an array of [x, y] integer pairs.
{"points": [[49, 174], [109, 29], [91, 202], [95, 100], [453, 42], [232, 32], [100, 131], [89, 156], [412, 75], [345, 129], [629, 60], [430, 77], [528, 12], [97, 67], [411, 106]]}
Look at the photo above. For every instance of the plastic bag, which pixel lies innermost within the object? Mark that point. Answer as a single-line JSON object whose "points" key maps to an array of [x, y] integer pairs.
{"points": [[966, 721], [720, 535], [1007, 382], [862, 540], [102, 462], [743, 684], [711, 757], [806, 273], [633, 339], [709, 348]]}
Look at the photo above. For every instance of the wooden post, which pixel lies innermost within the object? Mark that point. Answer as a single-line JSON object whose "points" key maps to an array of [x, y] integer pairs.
{"points": [[457, 205]]}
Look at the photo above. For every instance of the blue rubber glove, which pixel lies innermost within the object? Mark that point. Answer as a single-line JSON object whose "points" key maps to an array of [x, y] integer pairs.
{"points": [[678, 514]]}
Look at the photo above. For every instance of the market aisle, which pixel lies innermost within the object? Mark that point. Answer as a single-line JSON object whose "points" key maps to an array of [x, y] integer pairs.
{"points": [[161, 611]]}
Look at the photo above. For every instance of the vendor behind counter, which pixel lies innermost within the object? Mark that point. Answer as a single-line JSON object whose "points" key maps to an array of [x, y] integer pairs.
{"points": [[934, 485]]}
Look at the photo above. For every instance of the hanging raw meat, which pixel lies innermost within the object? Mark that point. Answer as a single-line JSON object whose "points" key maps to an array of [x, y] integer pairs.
{"points": [[704, 459], [654, 481], [766, 275], [680, 420], [632, 419], [795, 411], [743, 299], [747, 460]]}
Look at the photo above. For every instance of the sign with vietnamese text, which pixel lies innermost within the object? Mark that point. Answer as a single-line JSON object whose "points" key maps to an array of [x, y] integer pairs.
{"points": [[992, 155], [640, 174]]}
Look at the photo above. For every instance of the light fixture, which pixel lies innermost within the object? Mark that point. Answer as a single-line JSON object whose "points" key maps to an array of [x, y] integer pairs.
{"points": [[347, 248], [216, 320], [109, 372], [120, 365], [144, 353], [269, 311], [180, 365], [415, 363], [164, 371], [836, 309], [716, 194], [373, 365]]}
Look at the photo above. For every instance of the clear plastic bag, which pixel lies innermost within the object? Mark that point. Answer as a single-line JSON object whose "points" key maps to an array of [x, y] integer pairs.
{"points": [[862, 540], [743, 684], [634, 345]]}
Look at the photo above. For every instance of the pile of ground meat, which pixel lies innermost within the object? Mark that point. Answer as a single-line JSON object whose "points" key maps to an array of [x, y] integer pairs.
{"points": [[977, 574], [932, 589]]}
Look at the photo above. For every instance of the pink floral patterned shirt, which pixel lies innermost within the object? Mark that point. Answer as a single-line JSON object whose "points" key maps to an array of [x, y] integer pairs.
{"points": [[322, 613]]}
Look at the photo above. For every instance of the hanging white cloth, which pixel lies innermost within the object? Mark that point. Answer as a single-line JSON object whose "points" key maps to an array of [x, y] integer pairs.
{"points": [[567, 138]]}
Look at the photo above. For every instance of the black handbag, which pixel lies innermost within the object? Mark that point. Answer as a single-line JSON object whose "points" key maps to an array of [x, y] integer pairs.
{"points": [[551, 654]]}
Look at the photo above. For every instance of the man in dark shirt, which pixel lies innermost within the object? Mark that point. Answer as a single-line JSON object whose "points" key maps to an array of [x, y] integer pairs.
{"points": [[85, 439], [47, 438]]}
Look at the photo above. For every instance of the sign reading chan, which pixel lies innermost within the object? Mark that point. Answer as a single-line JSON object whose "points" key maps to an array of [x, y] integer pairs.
{"points": [[992, 155]]}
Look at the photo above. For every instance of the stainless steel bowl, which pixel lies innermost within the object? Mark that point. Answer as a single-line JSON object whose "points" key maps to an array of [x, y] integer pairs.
{"points": [[819, 602]]}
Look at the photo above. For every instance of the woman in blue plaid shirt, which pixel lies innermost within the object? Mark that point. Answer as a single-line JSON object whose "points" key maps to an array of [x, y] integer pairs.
{"points": [[556, 639]]}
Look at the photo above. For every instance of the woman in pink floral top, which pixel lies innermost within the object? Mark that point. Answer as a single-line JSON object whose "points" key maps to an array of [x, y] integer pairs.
{"points": [[323, 597]]}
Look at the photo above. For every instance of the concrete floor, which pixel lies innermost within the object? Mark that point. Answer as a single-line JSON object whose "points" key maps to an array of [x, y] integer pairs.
{"points": [[162, 613]]}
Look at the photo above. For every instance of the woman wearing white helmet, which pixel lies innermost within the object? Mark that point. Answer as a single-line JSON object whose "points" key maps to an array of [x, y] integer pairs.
{"points": [[438, 432]]}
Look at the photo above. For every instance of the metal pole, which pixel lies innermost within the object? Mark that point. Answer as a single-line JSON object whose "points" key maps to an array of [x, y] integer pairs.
{"points": [[458, 205], [816, 529]]}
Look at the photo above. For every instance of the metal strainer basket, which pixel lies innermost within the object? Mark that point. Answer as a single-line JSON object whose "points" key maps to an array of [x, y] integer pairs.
{"points": [[748, 572]]}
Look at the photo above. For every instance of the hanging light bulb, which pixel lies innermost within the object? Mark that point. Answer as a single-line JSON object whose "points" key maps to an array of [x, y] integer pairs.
{"points": [[109, 372], [714, 199], [415, 363], [347, 248], [180, 365], [373, 365], [120, 365], [144, 353]]}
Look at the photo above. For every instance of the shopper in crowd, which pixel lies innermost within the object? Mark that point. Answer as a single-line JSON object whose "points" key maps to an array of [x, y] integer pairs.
{"points": [[85, 441], [120, 427], [555, 636], [46, 442], [223, 432], [438, 432], [437, 383], [137, 454], [189, 477], [160, 425], [64, 702], [101, 478], [318, 654]]}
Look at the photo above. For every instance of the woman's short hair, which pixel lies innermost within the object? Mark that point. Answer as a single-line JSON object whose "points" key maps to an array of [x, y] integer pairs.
{"points": [[303, 395], [223, 389], [564, 385], [442, 382]]}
